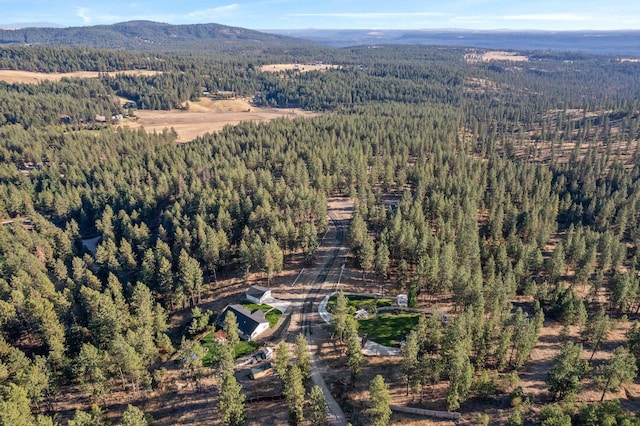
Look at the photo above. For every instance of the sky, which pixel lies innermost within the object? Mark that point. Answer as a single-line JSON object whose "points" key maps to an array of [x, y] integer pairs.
{"points": [[554, 15]]}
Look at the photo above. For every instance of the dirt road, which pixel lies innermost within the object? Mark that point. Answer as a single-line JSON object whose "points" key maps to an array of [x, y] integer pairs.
{"points": [[307, 291]]}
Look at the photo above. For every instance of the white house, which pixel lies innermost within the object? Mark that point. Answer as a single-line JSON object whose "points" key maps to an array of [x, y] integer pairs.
{"points": [[250, 324], [258, 294]]}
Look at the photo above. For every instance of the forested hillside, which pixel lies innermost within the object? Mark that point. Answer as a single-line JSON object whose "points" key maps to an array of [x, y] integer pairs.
{"points": [[514, 193], [153, 36]]}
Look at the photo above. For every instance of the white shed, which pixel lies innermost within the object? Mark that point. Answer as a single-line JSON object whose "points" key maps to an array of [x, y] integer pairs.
{"points": [[403, 300]]}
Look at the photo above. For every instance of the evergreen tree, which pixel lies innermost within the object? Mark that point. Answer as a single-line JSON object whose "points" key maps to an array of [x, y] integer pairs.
{"points": [[410, 364], [461, 374], [133, 416], [354, 350], [596, 330], [340, 311], [317, 407], [565, 377], [379, 400], [620, 369], [282, 359], [231, 401], [303, 358], [230, 328], [294, 395]]}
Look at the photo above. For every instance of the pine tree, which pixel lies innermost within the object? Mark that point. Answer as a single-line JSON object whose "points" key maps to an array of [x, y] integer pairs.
{"points": [[230, 328], [15, 407], [294, 395], [379, 400], [282, 359], [620, 369], [354, 350], [231, 402], [565, 377], [339, 317], [460, 376], [596, 329], [133, 416], [303, 358], [410, 365], [317, 407]]}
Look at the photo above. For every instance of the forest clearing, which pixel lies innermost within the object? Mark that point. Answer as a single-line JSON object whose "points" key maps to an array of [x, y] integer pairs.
{"points": [[32, 77], [297, 67], [208, 116], [494, 55]]}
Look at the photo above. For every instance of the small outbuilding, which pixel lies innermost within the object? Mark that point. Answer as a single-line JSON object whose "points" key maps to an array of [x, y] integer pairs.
{"points": [[260, 371], [403, 300], [220, 336], [258, 294]]}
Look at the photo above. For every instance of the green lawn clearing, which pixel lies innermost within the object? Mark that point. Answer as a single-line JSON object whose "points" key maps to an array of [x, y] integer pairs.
{"points": [[271, 314], [362, 302], [388, 329]]}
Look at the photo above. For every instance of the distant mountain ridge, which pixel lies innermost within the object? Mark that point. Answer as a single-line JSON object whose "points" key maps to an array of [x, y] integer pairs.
{"points": [[21, 25], [149, 35], [598, 42]]}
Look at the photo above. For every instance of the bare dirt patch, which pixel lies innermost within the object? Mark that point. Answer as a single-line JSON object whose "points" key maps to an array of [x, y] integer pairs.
{"points": [[208, 116], [495, 55], [297, 67], [30, 77]]}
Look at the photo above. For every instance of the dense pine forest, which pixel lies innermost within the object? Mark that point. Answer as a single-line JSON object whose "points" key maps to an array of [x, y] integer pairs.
{"points": [[508, 189]]}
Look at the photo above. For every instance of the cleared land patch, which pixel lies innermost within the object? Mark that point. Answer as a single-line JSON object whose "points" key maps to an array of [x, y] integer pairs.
{"points": [[208, 116], [297, 67], [30, 77], [388, 329], [495, 55]]}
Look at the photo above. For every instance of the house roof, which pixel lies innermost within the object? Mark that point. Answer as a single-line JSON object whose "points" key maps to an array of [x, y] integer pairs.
{"points": [[247, 321], [257, 291]]}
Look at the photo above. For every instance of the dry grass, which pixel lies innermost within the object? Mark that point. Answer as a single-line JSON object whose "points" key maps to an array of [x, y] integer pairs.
{"points": [[297, 67], [495, 55], [208, 116], [29, 77]]}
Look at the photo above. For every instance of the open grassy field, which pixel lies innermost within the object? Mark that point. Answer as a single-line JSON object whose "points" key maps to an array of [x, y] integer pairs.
{"points": [[208, 116], [29, 77], [297, 67], [495, 55], [388, 329]]}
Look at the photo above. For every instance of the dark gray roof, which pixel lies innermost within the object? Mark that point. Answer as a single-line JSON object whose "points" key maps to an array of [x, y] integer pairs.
{"points": [[257, 291], [247, 321]]}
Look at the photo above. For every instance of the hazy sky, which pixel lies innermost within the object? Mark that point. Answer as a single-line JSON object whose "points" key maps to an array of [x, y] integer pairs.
{"points": [[364, 14]]}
